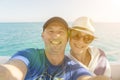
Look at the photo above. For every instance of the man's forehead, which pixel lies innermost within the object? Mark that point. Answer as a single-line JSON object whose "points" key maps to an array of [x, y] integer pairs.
{"points": [[56, 24]]}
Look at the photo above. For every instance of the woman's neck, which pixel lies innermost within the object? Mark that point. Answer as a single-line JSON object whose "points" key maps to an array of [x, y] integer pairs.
{"points": [[84, 57]]}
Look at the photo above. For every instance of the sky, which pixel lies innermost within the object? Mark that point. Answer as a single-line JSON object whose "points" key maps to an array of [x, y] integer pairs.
{"points": [[41, 10]]}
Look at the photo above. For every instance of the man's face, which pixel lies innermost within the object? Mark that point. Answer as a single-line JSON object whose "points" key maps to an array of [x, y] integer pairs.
{"points": [[55, 38]]}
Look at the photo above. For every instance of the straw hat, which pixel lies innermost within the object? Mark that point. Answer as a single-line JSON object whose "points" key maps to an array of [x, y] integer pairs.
{"points": [[84, 24]]}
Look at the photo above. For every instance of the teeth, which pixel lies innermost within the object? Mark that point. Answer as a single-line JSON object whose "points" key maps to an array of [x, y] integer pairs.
{"points": [[81, 51], [55, 42]]}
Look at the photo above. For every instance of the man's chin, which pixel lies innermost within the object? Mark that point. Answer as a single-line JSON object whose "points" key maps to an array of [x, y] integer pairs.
{"points": [[57, 50]]}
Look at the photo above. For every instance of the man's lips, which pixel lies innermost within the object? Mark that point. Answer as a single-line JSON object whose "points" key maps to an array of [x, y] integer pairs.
{"points": [[55, 42]]}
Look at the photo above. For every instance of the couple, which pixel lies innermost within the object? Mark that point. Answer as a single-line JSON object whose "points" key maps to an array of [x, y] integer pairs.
{"points": [[50, 63]]}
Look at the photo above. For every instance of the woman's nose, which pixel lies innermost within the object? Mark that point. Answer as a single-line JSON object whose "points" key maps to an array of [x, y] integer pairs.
{"points": [[80, 40]]}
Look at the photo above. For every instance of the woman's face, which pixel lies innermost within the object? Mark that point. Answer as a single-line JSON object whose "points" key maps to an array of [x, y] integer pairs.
{"points": [[79, 41]]}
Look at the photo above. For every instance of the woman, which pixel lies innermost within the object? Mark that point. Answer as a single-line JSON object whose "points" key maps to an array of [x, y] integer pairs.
{"points": [[92, 58]]}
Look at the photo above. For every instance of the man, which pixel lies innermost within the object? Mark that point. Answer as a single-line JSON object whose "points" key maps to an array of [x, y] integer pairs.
{"points": [[45, 64]]}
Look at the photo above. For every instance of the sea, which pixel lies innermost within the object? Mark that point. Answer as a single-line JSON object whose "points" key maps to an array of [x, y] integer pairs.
{"points": [[16, 36]]}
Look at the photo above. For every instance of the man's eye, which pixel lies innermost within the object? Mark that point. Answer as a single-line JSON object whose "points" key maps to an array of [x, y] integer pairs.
{"points": [[61, 32], [51, 31]]}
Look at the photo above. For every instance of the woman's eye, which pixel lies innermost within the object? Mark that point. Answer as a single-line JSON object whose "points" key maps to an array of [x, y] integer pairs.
{"points": [[87, 37]]}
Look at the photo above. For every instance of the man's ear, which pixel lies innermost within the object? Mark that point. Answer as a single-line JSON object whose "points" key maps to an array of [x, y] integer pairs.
{"points": [[42, 35], [69, 31]]}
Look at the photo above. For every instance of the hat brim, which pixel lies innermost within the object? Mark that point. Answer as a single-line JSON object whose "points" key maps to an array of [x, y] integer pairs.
{"points": [[84, 31]]}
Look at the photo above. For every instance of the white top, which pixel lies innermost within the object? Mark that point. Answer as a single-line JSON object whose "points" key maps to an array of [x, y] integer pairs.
{"points": [[98, 65]]}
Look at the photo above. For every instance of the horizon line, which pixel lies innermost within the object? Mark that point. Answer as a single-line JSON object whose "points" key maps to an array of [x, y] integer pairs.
{"points": [[44, 21]]}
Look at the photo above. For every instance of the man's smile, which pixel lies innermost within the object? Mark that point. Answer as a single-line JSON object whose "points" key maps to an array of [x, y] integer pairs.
{"points": [[55, 42]]}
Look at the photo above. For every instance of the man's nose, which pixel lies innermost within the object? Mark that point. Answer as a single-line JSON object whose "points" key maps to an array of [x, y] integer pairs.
{"points": [[56, 35]]}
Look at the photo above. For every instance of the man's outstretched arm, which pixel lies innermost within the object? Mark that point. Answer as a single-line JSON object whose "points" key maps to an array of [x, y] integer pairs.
{"points": [[13, 70]]}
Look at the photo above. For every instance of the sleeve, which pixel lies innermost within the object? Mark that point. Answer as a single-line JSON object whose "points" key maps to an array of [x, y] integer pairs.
{"points": [[24, 55], [102, 67], [108, 70]]}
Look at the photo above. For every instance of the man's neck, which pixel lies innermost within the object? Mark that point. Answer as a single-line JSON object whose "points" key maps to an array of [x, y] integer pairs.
{"points": [[55, 59]]}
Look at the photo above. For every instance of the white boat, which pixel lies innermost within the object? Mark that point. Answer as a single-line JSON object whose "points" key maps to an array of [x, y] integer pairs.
{"points": [[115, 67]]}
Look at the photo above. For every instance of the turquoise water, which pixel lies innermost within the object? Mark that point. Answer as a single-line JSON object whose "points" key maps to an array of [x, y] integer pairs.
{"points": [[18, 36]]}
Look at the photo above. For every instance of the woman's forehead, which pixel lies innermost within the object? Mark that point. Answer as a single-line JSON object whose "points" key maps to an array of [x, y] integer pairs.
{"points": [[78, 32]]}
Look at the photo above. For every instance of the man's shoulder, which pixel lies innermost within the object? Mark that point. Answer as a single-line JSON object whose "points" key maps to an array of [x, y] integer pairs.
{"points": [[75, 68], [29, 52], [33, 49], [29, 55]]}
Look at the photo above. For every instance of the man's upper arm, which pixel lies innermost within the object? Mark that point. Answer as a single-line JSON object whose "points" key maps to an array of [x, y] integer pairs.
{"points": [[101, 77], [85, 77], [16, 69]]}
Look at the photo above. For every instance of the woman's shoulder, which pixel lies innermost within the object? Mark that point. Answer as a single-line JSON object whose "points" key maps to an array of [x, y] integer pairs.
{"points": [[96, 51]]}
